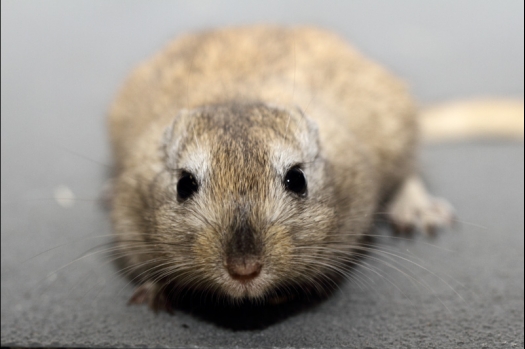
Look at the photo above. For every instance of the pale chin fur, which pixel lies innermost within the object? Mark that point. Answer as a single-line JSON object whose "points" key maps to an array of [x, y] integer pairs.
{"points": [[251, 290]]}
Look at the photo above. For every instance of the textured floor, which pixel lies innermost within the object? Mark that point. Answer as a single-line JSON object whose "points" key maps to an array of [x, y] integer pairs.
{"points": [[463, 289], [62, 62]]}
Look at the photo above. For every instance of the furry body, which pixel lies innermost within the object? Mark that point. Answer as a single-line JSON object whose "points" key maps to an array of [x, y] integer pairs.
{"points": [[237, 108]]}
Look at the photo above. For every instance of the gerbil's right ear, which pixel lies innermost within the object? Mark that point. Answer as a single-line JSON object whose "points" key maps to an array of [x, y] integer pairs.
{"points": [[173, 136], [311, 142]]}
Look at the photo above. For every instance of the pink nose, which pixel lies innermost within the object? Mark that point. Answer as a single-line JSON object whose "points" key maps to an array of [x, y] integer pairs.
{"points": [[244, 269]]}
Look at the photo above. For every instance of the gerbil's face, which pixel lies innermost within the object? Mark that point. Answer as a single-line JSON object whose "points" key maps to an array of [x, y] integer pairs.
{"points": [[243, 191]]}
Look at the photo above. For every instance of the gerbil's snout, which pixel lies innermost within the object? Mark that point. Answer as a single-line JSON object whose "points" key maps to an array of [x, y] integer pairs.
{"points": [[243, 252], [243, 269]]}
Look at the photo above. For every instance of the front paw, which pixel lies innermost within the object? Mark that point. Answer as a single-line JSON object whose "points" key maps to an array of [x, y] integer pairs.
{"points": [[413, 208], [152, 294]]}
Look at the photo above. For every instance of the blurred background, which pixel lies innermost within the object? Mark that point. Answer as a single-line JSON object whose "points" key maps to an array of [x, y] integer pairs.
{"points": [[62, 62]]}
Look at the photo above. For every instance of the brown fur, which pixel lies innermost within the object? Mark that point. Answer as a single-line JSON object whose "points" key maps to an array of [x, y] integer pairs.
{"points": [[239, 106]]}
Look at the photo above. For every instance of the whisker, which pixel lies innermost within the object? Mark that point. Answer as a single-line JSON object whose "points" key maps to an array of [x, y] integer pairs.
{"points": [[410, 277], [82, 156]]}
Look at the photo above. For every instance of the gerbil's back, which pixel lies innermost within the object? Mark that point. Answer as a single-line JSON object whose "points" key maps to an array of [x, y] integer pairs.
{"points": [[353, 100]]}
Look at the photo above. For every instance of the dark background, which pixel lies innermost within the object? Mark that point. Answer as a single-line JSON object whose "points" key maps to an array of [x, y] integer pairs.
{"points": [[62, 62]]}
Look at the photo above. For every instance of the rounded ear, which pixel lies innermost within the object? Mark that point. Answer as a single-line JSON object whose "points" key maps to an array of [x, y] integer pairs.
{"points": [[311, 142], [173, 136]]}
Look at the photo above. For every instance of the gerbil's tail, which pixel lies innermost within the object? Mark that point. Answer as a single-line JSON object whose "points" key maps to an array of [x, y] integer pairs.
{"points": [[474, 119]]}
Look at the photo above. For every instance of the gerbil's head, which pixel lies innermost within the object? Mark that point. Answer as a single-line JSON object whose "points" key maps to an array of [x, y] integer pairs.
{"points": [[242, 195]]}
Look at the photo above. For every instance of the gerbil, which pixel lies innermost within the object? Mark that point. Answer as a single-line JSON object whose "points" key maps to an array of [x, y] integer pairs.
{"points": [[251, 160]]}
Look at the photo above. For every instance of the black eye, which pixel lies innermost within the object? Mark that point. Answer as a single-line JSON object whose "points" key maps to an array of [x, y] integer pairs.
{"points": [[186, 186], [295, 182]]}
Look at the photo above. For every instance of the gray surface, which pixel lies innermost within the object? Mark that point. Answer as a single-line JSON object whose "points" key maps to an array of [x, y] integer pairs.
{"points": [[468, 290], [61, 63]]}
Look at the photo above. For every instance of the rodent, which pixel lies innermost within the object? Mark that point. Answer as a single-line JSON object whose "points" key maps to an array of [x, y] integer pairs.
{"points": [[252, 160]]}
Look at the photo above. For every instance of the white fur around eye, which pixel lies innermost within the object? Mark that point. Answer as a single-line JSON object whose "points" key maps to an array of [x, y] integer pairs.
{"points": [[309, 140], [180, 152], [305, 149], [284, 156], [195, 159], [198, 162]]}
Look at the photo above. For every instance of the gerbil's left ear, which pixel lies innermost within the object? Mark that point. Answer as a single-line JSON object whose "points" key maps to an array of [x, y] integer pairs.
{"points": [[311, 140], [172, 138]]}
